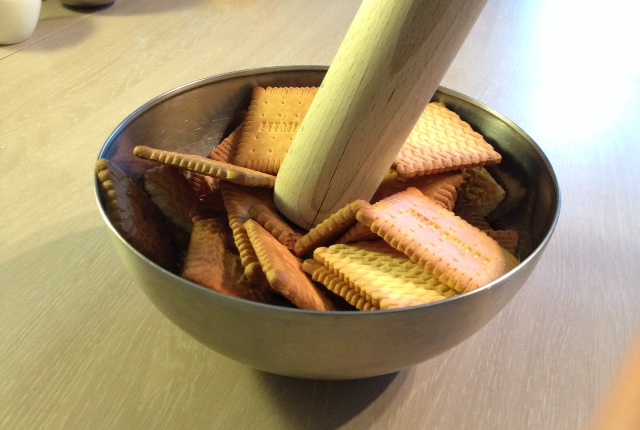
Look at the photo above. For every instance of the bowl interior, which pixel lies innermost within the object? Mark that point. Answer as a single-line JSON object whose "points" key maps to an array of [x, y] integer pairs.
{"points": [[338, 345]]}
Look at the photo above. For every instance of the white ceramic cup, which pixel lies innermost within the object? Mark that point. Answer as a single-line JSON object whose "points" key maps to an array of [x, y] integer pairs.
{"points": [[18, 19]]}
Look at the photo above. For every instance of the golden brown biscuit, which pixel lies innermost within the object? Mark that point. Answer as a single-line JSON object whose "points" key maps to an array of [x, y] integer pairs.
{"points": [[284, 270], [441, 142], [217, 169], [271, 123], [358, 232], [442, 187]]}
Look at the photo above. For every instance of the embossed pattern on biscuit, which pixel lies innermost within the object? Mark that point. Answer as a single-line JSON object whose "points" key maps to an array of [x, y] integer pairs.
{"points": [[460, 255], [272, 121], [441, 142], [206, 166], [342, 288], [383, 276], [508, 239], [284, 270]]}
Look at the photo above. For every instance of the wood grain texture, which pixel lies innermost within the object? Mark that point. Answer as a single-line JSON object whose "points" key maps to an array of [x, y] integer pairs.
{"points": [[80, 345], [386, 70]]}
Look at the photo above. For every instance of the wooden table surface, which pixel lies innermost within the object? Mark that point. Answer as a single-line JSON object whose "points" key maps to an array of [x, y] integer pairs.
{"points": [[81, 346]]}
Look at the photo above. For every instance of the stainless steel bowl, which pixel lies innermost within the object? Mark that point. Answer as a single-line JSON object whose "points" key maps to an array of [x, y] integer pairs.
{"points": [[307, 344]]}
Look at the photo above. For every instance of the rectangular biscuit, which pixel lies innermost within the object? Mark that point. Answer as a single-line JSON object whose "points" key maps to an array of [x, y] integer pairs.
{"points": [[460, 255], [271, 123], [380, 274], [206, 166], [442, 187], [441, 142]]}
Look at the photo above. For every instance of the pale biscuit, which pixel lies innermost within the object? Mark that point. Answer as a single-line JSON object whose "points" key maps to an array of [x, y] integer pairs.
{"points": [[329, 229], [508, 239], [134, 215], [210, 264], [441, 142], [379, 274], [217, 169], [271, 123], [460, 255], [336, 285], [284, 270]]}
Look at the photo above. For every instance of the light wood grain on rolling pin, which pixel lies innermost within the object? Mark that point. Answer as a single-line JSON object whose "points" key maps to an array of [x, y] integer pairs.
{"points": [[384, 74]]}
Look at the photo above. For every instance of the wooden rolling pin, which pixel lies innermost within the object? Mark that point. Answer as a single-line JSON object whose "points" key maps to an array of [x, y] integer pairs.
{"points": [[386, 70]]}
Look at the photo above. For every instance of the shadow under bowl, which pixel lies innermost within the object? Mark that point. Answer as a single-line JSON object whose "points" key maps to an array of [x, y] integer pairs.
{"points": [[321, 345]]}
